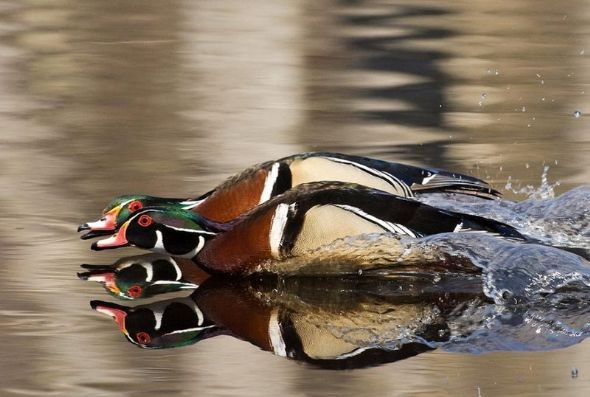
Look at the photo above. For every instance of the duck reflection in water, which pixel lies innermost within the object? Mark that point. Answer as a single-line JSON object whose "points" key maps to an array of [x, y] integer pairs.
{"points": [[143, 276], [333, 323]]}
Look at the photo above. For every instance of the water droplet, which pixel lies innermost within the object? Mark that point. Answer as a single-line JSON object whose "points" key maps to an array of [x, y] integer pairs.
{"points": [[577, 114], [543, 99], [441, 333], [582, 52], [574, 373], [542, 82], [523, 109], [360, 272], [527, 165]]}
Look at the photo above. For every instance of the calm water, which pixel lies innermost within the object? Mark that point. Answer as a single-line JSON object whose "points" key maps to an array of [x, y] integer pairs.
{"points": [[168, 98]]}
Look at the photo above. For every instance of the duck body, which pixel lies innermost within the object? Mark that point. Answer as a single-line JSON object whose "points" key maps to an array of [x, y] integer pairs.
{"points": [[301, 220], [261, 182], [314, 215]]}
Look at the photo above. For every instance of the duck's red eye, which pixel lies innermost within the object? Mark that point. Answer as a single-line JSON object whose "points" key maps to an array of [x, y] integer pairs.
{"points": [[135, 206], [145, 220], [143, 338], [134, 291]]}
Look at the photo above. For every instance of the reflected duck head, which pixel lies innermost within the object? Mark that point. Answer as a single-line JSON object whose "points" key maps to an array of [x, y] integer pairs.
{"points": [[138, 277], [175, 232], [160, 325], [121, 208]]}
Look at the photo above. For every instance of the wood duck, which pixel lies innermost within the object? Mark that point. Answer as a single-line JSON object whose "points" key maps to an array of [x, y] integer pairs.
{"points": [[143, 276], [299, 221], [260, 183], [329, 324]]}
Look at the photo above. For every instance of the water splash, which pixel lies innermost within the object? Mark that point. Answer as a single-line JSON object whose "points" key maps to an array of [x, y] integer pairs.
{"points": [[545, 191], [562, 221]]}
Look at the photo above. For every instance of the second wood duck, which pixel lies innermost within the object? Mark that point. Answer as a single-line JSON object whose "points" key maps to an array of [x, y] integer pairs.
{"points": [[260, 183], [301, 220]]}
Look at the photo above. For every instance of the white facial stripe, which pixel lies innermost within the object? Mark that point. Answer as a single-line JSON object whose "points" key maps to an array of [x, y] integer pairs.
{"points": [[279, 220], [269, 183], [458, 228], [395, 228], [123, 204], [158, 314], [177, 269], [274, 333], [149, 269], [131, 339], [159, 246], [392, 180], [169, 282], [182, 331], [180, 229], [199, 315]]}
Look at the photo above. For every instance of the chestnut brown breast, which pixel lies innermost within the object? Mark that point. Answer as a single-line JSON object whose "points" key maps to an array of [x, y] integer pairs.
{"points": [[231, 201], [241, 249]]}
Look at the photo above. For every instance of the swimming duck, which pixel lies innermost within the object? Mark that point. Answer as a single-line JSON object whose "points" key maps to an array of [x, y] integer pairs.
{"points": [[301, 220], [143, 276], [260, 183], [352, 325]]}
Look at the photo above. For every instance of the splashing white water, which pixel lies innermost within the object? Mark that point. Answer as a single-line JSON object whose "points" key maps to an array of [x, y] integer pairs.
{"points": [[545, 191]]}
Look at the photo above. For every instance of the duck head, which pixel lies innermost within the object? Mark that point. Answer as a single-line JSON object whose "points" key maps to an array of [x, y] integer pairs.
{"points": [[168, 231], [121, 208], [138, 277], [160, 325]]}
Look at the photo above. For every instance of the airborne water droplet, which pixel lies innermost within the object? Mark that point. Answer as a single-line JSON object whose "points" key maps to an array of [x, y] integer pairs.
{"points": [[577, 114], [574, 372]]}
